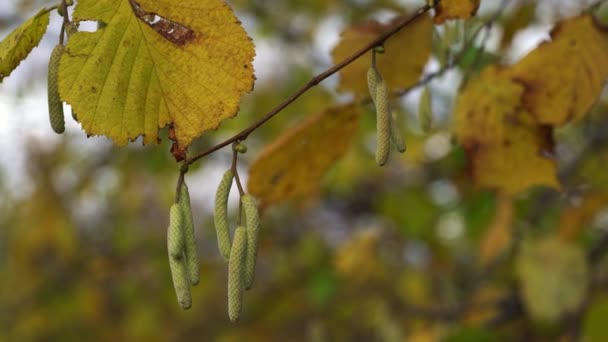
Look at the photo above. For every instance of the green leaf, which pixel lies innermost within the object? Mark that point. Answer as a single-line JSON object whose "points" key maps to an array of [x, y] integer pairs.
{"points": [[183, 63], [595, 328], [18, 45], [471, 334]]}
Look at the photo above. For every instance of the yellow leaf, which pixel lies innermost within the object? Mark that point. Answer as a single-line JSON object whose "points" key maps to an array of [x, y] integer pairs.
{"points": [[498, 236], [455, 9], [406, 54], [506, 147], [17, 45], [357, 258], [564, 77], [552, 277], [136, 75], [479, 312], [293, 165]]}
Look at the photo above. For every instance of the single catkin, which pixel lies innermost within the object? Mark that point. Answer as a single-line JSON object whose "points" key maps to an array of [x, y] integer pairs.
{"points": [[221, 214], [396, 137], [383, 123], [425, 110], [236, 273], [54, 100], [189, 237], [373, 77], [181, 281], [252, 218], [175, 233]]}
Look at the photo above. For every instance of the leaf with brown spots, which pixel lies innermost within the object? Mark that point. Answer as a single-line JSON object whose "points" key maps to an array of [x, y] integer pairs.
{"points": [[564, 77], [455, 9], [155, 63], [406, 54], [18, 44], [293, 165], [507, 149]]}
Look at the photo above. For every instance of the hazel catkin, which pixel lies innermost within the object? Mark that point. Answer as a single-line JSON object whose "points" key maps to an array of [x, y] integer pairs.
{"points": [[383, 123], [181, 282], [236, 273], [396, 137], [373, 77], [425, 110], [190, 251], [54, 100], [221, 214], [252, 219], [175, 235]]}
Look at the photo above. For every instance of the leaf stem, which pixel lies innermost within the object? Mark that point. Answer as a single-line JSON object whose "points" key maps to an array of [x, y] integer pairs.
{"points": [[180, 181]]}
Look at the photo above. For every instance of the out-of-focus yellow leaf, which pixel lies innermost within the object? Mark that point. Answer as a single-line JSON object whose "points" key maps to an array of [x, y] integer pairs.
{"points": [[455, 9], [574, 219], [427, 333], [406, 54], [481, 309], [357, 259], [17, 45], [498, 236], [133, 77], [552, 276], [293, 165], [564, 77], [506, 147]]}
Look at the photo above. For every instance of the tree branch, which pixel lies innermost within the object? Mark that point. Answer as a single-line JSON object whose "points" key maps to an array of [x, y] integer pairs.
{"points": [[315, 81]]}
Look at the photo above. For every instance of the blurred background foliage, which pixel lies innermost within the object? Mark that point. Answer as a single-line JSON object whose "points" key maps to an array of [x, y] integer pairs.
{"points": [[404, 252]]}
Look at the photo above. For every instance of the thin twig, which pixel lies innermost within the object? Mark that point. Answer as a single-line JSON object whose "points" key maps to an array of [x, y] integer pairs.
{"points": [[180, 182], [66, 21], [315, 81], [235, 171], [237, 179]]}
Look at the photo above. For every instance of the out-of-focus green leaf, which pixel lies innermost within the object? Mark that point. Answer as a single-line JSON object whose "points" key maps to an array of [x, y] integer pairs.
{"points": [[472, 335], [595, 328], [552, 277]]}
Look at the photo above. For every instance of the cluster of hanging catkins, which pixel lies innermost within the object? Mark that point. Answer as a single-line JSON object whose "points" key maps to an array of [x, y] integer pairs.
{"points": [[240, 252]]}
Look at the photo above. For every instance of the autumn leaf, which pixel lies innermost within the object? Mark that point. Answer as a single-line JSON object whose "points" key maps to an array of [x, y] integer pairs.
{"points": [[506, 147], [552, 276], [293, 165], [183, 63], [564, 77], [406, 54], [455, 9], [18, 45]]}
